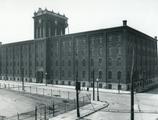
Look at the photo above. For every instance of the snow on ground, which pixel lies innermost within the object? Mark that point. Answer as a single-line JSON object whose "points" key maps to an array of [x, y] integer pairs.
{"points": [[13, 103]]}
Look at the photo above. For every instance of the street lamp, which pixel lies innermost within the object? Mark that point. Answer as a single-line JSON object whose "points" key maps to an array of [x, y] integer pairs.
{"points": [[97, 89], [93, 86], [46, 78], [22, 78]]}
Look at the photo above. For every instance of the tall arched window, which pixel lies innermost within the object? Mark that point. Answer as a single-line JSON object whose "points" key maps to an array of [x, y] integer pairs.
{"points": [[118, 75], [110, 75], [100, 74], [92, 62], [84, 62], [83, 74], [69, 63]]}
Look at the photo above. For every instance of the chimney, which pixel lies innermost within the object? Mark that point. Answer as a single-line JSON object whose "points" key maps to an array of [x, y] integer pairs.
{"points": [[124, 22], [155, 37]]}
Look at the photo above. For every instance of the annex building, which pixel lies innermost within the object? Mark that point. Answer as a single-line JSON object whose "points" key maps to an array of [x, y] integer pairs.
{"points": [[55, 58]]}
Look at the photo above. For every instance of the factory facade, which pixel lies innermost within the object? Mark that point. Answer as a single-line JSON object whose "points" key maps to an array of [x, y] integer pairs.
{"points": [[55, 58]]}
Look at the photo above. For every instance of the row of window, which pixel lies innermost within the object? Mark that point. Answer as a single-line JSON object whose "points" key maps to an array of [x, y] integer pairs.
{"points": [[110, 62], [84, 73], [83, 62]]}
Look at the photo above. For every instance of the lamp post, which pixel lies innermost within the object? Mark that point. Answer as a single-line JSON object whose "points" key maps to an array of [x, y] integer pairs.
{"points": [[119, 85], [97, 89], [22, 78], [46, 78], [132, 87], [93, 86]]}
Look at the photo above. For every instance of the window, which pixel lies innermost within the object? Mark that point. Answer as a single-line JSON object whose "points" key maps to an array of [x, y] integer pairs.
{"points": [[109, 61], [100, 74], [56, 73], [69, 63], [109, 75], [92, 62], [119, 50], [62, 63], [63, 83], [76, 62], [118, 75], [109, 86], [56, 63], [69, 73], [100, 51], [110, 51], [83, 74], [100, 40], [62, 73], [118, 61], [100, 85], [83, 84], [92, 74], [100, 61], [69, 83], [56, 82], [84, 62]]}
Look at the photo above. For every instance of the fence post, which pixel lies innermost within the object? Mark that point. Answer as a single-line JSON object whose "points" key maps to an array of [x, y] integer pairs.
{"points": [[43, 91], [59, 93], [83, 100], [36, 113], [36, 90], [65, 107], [30, 89], [53, 109], [51, 93], [18, 116], [74, 103], [0, 85], [68, 95], [18, 88], [45, 116]]}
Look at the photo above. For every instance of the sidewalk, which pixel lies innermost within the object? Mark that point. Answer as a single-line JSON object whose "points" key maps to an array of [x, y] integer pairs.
{"points": [[84, 111], [65, 87]]}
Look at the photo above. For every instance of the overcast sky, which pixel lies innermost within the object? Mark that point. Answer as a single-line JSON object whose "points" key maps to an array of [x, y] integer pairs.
{"points": [[16, 23]]}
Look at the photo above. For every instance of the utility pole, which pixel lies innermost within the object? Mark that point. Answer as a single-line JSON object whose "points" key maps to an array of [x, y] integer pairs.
{"points": [[22, 78], [93, 86], [132, 87], [97, 89], [77, 87], [77, 95]]}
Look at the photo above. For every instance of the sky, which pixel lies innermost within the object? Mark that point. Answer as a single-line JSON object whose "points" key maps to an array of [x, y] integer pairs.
{"points": [[16, 23]]}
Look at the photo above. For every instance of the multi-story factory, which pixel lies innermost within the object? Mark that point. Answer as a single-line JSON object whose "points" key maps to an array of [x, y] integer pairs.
{"points": [[55, 58]]}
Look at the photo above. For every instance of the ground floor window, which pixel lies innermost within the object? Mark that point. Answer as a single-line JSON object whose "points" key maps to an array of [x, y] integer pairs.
{"points": [[109, 86], [63, 83], [100, 85], [91, 84], [119, 87], [56, 82], [83, 84], [69, 83]]}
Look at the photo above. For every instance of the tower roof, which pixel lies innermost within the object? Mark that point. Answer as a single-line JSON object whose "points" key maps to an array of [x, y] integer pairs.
{"points": [[45, 11]]}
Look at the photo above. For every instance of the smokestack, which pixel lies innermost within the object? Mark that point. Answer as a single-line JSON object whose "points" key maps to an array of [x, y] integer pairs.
{"points": [[124, 22], [155, 37]]}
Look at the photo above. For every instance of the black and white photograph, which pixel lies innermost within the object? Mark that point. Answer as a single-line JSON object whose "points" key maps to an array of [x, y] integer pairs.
{"points": [[78, 60]]}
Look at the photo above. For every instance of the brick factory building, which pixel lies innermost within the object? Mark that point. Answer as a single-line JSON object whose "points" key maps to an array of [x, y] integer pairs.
{"points": [[55, 58]]}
